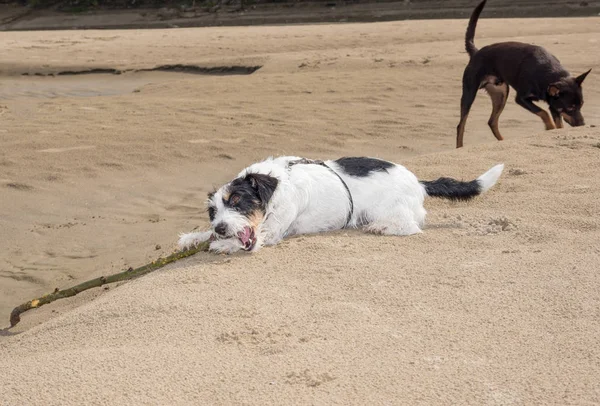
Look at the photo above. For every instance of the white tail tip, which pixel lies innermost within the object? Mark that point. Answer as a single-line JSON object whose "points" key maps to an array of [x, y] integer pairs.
{"points": [[489, 179]]}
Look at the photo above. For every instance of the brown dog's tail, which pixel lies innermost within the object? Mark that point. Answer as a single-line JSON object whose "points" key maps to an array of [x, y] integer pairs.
{"points": [[470, 35]]}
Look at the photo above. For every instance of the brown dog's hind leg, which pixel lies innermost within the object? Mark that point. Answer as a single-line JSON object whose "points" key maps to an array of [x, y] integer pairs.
{"points": [[499, 95], [466, 101], [460, 129]]}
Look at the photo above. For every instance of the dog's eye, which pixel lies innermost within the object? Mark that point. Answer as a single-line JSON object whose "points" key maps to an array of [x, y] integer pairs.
{"points": [[211, 213], [234, 199]]}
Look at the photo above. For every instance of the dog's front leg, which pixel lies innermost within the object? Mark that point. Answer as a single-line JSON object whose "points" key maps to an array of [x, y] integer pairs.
{"points": [[272, 239], [526, 103], [226, 246], [189, 240], [557, 118], [277, 226]]}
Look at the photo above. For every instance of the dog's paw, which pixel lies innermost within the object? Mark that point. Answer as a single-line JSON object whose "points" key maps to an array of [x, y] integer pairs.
{"points": [[268, 241], [189, 240], [228, 246]]}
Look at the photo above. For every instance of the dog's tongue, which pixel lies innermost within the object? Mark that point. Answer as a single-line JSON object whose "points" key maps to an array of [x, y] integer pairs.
{"points": [[244, 235]]}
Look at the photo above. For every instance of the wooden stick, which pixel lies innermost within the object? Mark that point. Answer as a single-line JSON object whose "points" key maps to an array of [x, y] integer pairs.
{"points": [[15, 315]]}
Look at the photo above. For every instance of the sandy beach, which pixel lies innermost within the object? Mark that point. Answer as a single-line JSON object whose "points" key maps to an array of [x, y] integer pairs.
{"points": [[496, 303]]}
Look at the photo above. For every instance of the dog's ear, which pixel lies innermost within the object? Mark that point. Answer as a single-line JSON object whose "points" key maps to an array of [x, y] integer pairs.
{"points": [[264, 185], [554, 89], [579, 79]]}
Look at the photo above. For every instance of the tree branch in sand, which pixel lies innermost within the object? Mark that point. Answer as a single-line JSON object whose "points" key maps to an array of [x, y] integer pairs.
{"points": [[15, 315]]}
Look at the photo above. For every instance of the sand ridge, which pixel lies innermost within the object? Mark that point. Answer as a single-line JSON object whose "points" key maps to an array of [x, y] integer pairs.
{"points": [[494, 303]]}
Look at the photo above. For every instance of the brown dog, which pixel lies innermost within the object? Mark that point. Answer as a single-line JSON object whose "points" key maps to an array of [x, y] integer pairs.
{"points": [[532, 71]]}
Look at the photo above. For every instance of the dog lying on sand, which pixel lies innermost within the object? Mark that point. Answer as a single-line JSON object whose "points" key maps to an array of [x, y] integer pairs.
{"points": [[285, 196]]}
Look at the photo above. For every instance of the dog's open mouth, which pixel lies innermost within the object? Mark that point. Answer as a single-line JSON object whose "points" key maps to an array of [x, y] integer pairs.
{"points": [[247, 238]]}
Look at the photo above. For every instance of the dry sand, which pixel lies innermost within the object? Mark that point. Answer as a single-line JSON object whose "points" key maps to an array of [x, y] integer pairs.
{"points": [[496, 303]]}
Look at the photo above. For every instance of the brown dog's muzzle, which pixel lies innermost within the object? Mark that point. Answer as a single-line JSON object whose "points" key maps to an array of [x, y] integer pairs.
{"points": [[576, 120]]}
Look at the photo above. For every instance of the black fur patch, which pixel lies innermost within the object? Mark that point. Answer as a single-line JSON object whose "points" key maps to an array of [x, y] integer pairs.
{"points": [[265, 185], [362, 166], [452, 189], [251, 193], [211, 210]]}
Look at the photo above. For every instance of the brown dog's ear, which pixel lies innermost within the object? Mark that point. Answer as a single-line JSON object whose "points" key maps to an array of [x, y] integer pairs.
{"points": [[579, 79], [553, 90]]}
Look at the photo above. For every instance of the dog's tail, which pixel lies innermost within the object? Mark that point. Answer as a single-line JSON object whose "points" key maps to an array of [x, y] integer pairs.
{"points": [[470, 35], [452, 189]]}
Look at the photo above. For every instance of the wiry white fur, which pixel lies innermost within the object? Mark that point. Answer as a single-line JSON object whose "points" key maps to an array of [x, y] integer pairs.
{"points": [[191, 239], [310, 198], [226, 246], [223, 214]]}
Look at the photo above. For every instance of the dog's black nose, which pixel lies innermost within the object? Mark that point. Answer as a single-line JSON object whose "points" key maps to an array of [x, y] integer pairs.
{"points": [[221, 229]]}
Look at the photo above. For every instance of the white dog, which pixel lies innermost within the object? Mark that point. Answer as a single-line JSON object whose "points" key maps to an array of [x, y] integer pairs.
{"points": [[287, 196]]}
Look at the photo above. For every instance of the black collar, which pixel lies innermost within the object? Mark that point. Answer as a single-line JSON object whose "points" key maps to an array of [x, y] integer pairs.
{"points": [[305, 161]]}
